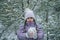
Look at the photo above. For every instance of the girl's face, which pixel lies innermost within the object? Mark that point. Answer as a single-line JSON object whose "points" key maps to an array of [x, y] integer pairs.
{"points": [[30, 19]]}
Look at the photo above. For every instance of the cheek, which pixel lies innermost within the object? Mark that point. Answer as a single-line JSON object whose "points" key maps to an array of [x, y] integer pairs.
{"points": [[29, 20]]}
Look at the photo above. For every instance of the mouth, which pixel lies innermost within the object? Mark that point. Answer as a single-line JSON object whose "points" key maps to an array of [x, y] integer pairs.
{"points": [[29, 21]]}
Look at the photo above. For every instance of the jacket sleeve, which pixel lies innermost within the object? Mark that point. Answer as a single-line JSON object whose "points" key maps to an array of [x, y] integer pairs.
{"points": [[20, 32], [40, 32]]}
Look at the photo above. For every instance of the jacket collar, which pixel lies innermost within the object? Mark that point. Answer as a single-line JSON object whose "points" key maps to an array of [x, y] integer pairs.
{"points": [[30, 23]]}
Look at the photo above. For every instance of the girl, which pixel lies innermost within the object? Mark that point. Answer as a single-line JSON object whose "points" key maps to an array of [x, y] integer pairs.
{"points": [[30, 30]]}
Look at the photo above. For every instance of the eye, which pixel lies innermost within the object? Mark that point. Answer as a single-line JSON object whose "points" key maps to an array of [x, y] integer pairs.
{"points": [[30, 18], [27, 18]]}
